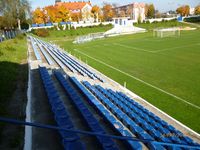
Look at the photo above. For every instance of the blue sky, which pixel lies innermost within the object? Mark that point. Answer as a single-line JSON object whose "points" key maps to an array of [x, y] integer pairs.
{"points": [[161, 5]]}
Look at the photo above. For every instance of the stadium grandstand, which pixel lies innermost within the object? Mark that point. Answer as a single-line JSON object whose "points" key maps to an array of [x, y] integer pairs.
{"points": [[81, 98]]}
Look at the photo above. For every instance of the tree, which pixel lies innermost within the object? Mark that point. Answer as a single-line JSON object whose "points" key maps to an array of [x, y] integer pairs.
{"points": [[183, 10], [146, 9], [38, 16], [107, 12], [197, 10], [151, 11], [157, 14], [180, 11], [76, 17], [51, 13], [187, 10], [62, 14], [14, 12], [95, 11]]}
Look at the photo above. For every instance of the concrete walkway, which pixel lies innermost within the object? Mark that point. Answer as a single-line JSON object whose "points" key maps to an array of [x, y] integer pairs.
{"points": [[194, 24]]}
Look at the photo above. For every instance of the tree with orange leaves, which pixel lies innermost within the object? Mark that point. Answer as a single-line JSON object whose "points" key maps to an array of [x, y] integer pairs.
{"points": [[197, 10], [95, 11], [51, 13], [183, 10], [107, 12], [39, 16], [63, 14], [76, 17]]}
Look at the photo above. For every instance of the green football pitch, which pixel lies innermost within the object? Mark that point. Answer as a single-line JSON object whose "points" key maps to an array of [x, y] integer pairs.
{"points": [[164, 71]]}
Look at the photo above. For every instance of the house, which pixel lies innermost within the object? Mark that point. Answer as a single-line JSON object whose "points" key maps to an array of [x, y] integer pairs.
{"points": [[78, 7], [134, 10], [192, 10]]}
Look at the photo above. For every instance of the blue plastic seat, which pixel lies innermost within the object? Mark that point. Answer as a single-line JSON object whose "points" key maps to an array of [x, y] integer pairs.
{"points": [[144, 136], [155, 146]]}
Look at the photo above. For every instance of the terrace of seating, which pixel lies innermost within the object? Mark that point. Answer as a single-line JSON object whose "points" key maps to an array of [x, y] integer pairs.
{"points": [[125, 116], [140, 121], [70, 140], [61, 58], [92, 122]]}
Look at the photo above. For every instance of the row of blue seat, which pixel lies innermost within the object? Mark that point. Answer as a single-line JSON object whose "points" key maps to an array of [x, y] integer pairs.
{"points": [[141, 134], [70, 62], [154, 120], [108, 116], [73, 68], [80, 69], [49, 60], [86, 70], [36, 52], [71, 141], [107, 143], [156, 133]]}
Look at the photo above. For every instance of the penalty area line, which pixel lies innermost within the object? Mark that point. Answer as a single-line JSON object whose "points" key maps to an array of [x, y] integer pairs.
{"points": [[157, 88]]}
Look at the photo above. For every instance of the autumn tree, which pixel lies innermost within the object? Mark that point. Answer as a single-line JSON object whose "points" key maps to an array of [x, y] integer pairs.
{"points": [[187, 10], [76, 17], [197, 10], [63, 14], [51, 13], [95, 12], [150, 11], [146, 9], [183, 10], [107, 12], [39, 16]]}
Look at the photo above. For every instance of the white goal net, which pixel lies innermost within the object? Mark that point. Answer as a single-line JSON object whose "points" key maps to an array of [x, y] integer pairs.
{"points": [[167, 32], [89, 37]]}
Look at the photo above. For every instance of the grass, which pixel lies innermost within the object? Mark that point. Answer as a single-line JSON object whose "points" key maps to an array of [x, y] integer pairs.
{"points": [[71, 34], [171, 64], [166, 24], [12, 53]]}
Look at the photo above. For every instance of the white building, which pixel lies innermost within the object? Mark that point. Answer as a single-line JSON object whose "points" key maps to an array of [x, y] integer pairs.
{"points": [[135, 11], [192, 11]]}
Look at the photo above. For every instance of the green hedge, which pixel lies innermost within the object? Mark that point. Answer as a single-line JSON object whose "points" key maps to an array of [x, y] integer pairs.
{"points": [[192, 19]]}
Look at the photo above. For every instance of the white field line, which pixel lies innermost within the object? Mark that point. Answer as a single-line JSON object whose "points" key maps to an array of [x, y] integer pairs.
{"points": [[166, 49], [157, 88], [152, 51], [130, 47]]}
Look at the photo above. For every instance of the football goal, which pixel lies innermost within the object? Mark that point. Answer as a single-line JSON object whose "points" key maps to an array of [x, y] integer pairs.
{"points": [[167, 32], [89, 37]]}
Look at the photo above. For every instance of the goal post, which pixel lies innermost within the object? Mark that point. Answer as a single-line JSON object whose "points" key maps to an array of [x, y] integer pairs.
{"points": [[88, 37], [167, 32]]}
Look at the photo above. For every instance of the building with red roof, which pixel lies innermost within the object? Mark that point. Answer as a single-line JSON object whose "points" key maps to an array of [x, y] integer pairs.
{"points": [[82, 7]]}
